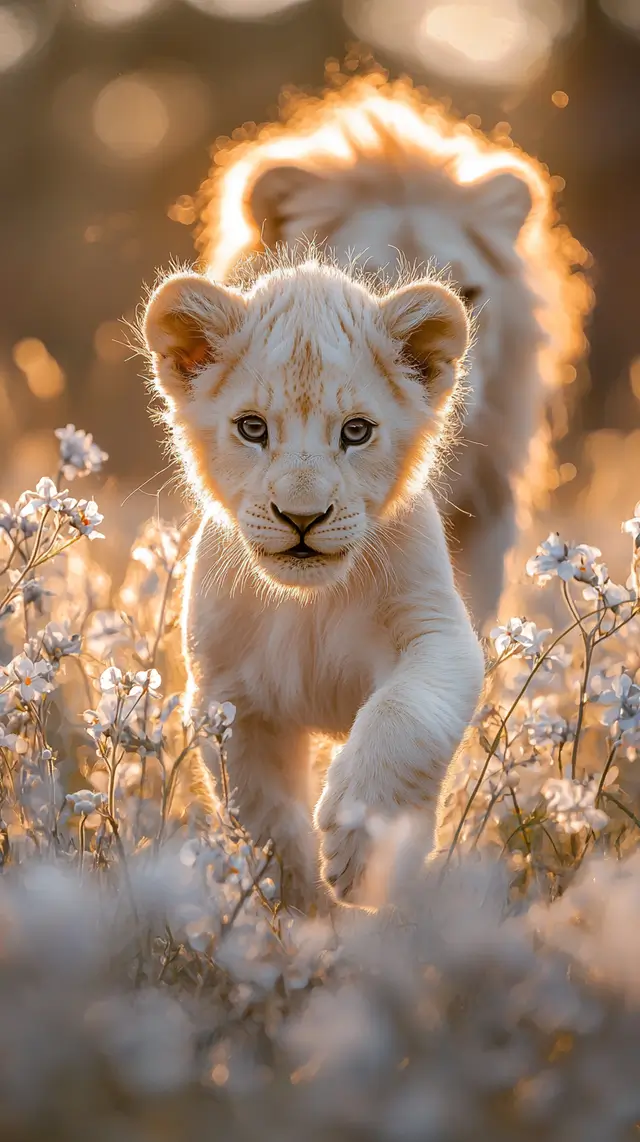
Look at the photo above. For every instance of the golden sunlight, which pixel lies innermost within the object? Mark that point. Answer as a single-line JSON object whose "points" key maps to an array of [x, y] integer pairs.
{"points": [[44, 376], [18, 36], [130, 117], [243, 9], [503, 42], [623, 12], [112, 13]]}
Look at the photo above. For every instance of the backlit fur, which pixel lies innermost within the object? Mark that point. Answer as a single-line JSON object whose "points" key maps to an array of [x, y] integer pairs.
{"points": [[381, 172], [367, 640]]}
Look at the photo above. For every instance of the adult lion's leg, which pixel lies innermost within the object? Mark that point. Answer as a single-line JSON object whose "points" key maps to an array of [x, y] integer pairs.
{"points": [[479, 544], [269, 778]]}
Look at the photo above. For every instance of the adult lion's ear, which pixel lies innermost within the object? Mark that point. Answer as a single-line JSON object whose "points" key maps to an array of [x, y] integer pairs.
{"points": [[432, 325], [500, 202], [285, 195], [185, 322]]}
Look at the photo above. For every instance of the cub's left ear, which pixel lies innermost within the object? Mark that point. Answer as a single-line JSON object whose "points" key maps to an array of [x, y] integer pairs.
{"points": [[185, 323], [433, 326], [501, 202]]}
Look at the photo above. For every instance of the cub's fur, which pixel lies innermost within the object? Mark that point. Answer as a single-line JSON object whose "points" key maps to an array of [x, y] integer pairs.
{"points": [[383, 173], [320, 597]]}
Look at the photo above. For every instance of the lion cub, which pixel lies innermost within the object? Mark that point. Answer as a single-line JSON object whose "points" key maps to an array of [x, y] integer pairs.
{"points": [[320, 598]]}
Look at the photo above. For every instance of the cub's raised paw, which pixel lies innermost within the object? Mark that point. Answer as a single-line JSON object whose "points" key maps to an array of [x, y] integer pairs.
{"points": [[345, 844]]}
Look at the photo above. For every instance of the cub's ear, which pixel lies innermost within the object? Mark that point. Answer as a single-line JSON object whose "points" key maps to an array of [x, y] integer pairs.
{"points": [[185, 322], [285, 195], [501, 202], [433, 327]]}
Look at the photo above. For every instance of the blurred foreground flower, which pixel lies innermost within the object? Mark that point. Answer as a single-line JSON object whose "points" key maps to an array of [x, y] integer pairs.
{"points": [[571, 804], [79, 453]]}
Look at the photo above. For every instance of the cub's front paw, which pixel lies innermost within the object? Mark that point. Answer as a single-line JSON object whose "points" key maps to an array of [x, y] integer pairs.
{"points": [[345, 842]]}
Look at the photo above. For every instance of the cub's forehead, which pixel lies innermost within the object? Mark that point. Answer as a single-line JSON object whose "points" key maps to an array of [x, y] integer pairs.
{"points": [[306, 335]]}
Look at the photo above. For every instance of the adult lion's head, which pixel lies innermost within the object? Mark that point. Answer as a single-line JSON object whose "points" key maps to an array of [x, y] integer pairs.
{"points": [[306, 406], [382, 173]]}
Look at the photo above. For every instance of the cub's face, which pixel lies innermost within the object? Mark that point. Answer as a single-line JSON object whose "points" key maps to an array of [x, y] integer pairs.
{"points": [[307, 408]]}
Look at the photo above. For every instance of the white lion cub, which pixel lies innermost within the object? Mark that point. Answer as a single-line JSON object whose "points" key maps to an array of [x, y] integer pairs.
{"points": [[320, 597]]}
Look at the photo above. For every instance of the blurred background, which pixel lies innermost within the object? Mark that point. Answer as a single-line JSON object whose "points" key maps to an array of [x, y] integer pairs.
{"points": [[107, 112]]}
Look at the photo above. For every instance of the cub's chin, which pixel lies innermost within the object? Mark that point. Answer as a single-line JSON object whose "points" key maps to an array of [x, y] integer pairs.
{"points": [[307, 569]]}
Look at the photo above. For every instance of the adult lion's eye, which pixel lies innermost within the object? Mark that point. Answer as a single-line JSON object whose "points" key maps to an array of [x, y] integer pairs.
{"points": [[355, 431], [254, 429]]}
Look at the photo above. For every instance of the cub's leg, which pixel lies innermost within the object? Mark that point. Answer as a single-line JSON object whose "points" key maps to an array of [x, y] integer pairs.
{"points": [[269, 776], [403, 739]]}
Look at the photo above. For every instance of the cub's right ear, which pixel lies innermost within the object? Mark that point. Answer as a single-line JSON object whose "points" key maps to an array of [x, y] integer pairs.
{"points": [[186, 320]]}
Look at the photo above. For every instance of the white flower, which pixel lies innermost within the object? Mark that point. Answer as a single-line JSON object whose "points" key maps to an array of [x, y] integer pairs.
{"points": [[110, 680], [632, 526], [101, 720], [8, 518], [46, 495], [602, 587], [106, 630], [12, 741], [571, 804], [84, 517], [217, 720], [623, 700], [32, 590], [544, 726], [555, 557], [79, 454], [57, 641], [583, 558], [145, 680], [520, 635], [506, 637], [85, 801], [160, 546], [32, 678]]}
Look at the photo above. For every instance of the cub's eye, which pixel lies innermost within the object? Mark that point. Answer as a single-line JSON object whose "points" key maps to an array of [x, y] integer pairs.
{"points": [[470, 295], [355, 431], [253, 428]]}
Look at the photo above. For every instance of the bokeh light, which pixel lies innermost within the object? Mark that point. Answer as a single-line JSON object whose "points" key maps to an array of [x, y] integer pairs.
{"points": [[113, 13], [623, 12], [130, 117], [503, 42], [44, 376], [18, 35], [140, 117], [244, 9]]}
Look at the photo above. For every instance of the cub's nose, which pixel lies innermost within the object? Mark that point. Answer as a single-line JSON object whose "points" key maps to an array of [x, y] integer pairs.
{"points": [[302, 523]]}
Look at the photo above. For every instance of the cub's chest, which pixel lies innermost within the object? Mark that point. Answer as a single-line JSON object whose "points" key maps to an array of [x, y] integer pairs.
{"points": [[314, 667]]}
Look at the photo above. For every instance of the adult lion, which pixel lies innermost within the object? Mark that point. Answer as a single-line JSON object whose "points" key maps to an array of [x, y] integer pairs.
{"points": [[383, 174]]}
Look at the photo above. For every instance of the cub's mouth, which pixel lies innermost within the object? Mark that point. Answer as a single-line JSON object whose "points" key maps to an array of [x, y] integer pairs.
{"points": [[301, 551]]}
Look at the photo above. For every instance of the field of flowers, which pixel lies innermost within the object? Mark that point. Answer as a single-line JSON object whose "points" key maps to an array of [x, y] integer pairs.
{"points": [[155, 986]]}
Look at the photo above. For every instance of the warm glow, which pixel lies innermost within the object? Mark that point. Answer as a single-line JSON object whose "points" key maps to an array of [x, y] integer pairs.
{"points": [[18, 35], [483, 36], [113, 13], [109, 342], [505, 42], [560, 99], [634, 377], [130, 118], [624, 12], [243, 9], [44, 375]]}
